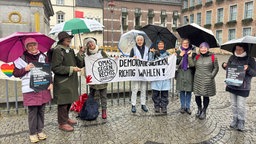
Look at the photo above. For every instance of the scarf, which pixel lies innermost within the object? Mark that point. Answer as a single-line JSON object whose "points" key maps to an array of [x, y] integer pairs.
{"points": [[184, 64], [241, 55], [95, 50]]}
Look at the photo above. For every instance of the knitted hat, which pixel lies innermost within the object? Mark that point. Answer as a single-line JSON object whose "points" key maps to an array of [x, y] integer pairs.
{"points": [[29, 40], [90, 39], [62, 35], [204, 44]]}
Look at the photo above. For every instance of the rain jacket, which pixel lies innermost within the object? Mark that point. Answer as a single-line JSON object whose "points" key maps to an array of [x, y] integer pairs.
{"points": [[162, 85]]}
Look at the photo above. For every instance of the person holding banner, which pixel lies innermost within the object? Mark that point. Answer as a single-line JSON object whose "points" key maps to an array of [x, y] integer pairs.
{"points": [[65, 65], [239, 93], [207, 67], [160, 88], [140, 51], [98, 91], [34, 100], [185, 75]]}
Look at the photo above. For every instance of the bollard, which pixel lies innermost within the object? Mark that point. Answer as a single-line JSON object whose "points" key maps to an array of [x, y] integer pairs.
{"points": [[7, 97]]}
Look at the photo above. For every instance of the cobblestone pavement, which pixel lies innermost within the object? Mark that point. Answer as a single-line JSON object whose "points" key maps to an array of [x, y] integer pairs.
{"points": [[123, 127]]}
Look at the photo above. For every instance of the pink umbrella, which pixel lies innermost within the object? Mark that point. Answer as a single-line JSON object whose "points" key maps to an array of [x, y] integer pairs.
{"points": [[12, 47]]}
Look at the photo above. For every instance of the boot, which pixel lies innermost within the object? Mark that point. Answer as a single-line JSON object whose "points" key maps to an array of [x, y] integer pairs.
{"points": [[182, 110], [133, 109], [188, 111], [199, 111], [203, 114], [157, 110], [240, 125], [233, 124], [104, 114], [66, 127], [164, 110], [144, 108]]}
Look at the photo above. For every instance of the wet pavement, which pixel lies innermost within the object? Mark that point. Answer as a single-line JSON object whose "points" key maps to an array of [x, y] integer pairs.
{"points": [[123, 127]]}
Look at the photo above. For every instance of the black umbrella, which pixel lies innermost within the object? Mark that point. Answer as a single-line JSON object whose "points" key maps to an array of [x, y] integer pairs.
{"points": [[156, 33], [250, 40], [197, 34]]}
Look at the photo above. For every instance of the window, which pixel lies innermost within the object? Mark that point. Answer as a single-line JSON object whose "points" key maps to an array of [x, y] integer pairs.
{"points": [[60, 17], [208, 17], [185, 20], [163, 18], [248, 9], [137, 18], [199, 18], [219, 36], [185, 4], [191, 18], [231, 34], [192, 2], [150, 16], [60, 2], [233, 13], [220, 15], [124, 17], [247, 31], [199, 1]]}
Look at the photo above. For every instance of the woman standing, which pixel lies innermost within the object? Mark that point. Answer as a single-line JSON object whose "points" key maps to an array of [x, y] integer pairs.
{"points": [[185, 75], [206, 65], [160, 88], [98, 91], [65, 65], [140, 51], [238, 94], [34, 100]]}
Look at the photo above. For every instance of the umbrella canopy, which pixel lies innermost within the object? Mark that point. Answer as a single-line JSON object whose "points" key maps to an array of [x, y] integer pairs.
{"points": [[156, 33], [128, 41], [197, 34], [250, 40], [77, 25], [12, 47]]}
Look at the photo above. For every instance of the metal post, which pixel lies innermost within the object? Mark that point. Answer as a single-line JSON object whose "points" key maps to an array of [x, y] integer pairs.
{"points": [[112, 41], [7, 96]]}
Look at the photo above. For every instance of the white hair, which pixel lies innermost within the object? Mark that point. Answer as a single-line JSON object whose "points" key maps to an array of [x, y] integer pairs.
{"points": [[139, 36]]}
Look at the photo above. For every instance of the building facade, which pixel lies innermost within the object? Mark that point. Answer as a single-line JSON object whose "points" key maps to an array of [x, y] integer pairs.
{"points": [[25, 16], [228, 19], [65, 10], [126, 15]]}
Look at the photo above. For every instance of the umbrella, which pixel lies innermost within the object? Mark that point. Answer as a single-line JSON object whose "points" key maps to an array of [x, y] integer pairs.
{"points": [[156, 33], [128, 41], [197, 34], [250, 40], [11, 47], [77, 26]]}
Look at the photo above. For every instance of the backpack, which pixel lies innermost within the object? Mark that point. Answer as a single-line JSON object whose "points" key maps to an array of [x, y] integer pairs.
{"points": [[198, 56], [90, 110]]}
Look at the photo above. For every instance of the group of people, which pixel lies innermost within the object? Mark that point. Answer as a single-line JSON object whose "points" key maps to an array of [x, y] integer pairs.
{"points": [[65, 65], [195, 73]]}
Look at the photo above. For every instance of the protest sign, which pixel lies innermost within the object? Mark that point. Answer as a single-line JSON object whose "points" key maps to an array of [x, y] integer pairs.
{"points": [[40, 76], [105, 70], [235, 75]]}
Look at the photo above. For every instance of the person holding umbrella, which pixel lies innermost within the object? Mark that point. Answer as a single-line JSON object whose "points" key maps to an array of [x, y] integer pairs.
{"points": [[185, 74], [140, 51], [238, 94], [160, 88], [65, 65], [34, 100], [98, 91], [206, 68]]}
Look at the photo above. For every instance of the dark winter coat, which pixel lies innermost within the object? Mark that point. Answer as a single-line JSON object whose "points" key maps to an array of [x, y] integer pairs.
{"points": [[65, 86], [205, 72], [244, 89], [184, 79]]}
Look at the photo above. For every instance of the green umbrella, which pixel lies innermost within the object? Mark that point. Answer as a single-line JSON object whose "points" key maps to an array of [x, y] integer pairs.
{"points": [[77, 26]]}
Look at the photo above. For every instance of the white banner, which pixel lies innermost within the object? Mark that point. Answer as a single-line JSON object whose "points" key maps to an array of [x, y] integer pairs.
{"points": [[105, 70]]}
